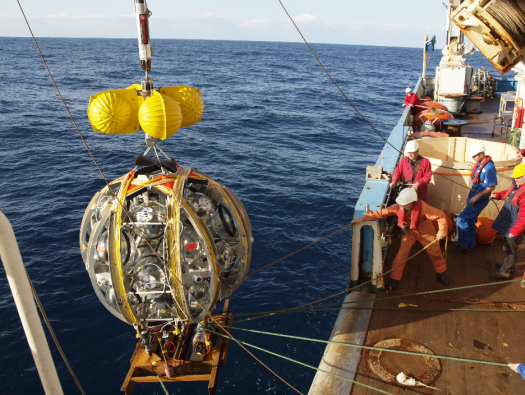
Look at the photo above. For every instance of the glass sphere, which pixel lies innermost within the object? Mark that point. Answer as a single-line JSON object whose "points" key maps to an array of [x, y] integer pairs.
{"points": [[202, 205], [102, 247], [199, 289], [148, 274], [152, 212], [163, 309], [190, 245], [101, 250], [223, 225], [225, 255], [110, 297], [106, 198]]}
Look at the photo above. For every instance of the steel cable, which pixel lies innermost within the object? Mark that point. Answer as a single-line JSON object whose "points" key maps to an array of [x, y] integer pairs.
{"points": [[356, 110], [52, 332], [510, 14], [299, 250]]}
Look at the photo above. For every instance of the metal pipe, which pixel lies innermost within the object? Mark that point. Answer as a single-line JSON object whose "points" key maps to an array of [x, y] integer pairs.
{"points": [[17, 278], [449, 25], [425, 57]]}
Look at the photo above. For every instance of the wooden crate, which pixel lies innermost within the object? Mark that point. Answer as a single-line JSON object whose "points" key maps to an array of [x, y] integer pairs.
{"points": [[147, 369], [448, 158]]}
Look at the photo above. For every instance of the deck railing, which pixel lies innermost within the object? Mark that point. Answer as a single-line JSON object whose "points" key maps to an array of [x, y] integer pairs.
{"points": [[367, 256]]}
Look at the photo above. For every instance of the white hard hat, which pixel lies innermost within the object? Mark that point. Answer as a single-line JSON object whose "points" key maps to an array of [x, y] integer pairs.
{"points": [[412, 146], [406, 196], [476, 148], [408, 90]]}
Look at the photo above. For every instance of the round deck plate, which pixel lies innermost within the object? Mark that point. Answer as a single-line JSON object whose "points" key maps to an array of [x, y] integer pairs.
{"points": [[425, 368]]}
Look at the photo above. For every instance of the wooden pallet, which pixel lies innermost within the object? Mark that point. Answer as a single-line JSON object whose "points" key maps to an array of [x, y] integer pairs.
{"points": [[147, 369]]}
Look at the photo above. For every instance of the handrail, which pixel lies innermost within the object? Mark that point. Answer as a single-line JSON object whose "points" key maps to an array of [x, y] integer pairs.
{"points": [[25, 304]]}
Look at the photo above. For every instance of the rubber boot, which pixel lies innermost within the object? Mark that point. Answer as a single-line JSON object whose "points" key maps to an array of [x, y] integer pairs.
{"points": [[392, 286], [443, 278]]}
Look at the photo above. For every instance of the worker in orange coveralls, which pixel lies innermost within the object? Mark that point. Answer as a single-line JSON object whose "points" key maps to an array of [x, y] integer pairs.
{"points": [[415, 219], [413, 169]]}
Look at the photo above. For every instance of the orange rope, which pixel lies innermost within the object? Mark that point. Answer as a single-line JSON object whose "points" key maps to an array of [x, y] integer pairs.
{"points": [[465, 175]]}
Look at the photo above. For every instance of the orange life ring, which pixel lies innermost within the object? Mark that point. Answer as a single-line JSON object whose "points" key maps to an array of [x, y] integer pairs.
{"points": [[484, 232], [436, 105], [436, 119]]}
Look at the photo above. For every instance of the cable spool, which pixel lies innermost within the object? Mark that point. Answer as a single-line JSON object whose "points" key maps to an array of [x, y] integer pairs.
{"points": [[484, 232], [496, 28], [511, 15]]}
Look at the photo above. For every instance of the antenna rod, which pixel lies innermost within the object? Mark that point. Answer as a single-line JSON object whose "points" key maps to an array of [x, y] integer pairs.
{"points": [[145, 50]]}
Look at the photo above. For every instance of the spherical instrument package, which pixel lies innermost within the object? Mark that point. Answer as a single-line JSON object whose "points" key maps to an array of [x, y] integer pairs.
{"points": [[165, 247]]}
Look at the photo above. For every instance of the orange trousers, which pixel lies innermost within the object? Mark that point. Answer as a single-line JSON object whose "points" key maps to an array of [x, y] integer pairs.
{"points": [[425, 234]]}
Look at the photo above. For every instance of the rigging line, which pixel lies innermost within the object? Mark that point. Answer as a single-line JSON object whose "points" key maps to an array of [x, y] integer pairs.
{"points": [[322, 308], [163, 386], [52, 333], [60, 95], [371, 347], [293, 253], [357, 286], [118, 200], [329, 76], [315, 310], [303, 364], [390, 297], [348, 100]]}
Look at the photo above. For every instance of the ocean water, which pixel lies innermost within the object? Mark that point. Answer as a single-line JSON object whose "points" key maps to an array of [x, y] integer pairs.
{"points": [[275, 130]]}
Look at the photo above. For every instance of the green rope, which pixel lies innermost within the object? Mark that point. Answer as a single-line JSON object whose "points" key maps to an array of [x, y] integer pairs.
{"points": [[163, 386], [301, 363], [360, 285], [369, 347], [313, 310], [388, 298]]}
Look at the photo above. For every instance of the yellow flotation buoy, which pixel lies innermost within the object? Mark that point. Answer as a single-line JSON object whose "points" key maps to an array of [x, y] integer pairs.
{"points": [[114, 112], [160, 116], [190, 101]]}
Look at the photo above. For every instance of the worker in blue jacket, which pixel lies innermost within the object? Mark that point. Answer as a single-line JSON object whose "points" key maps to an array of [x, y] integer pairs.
{"points": [[484, 181]]}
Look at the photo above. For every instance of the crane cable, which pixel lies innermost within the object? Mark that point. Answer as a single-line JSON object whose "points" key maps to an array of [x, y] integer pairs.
{"points": [[354, 107]]}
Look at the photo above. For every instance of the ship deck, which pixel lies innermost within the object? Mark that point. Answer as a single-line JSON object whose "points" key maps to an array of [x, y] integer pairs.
{"points": [[480, 126], [488, 336], [494, 336]]}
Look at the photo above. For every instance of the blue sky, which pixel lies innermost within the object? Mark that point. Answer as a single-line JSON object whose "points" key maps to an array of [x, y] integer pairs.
{"points": [[379, 22]]}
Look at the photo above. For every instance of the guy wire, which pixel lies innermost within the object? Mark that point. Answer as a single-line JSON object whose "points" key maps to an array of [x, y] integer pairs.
{"points": [[357, 286], [52, 332], [107, 183], [348, 100]]}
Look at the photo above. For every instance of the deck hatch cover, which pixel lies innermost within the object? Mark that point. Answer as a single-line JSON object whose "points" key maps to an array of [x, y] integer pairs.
{"points": [[426, 374]]}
